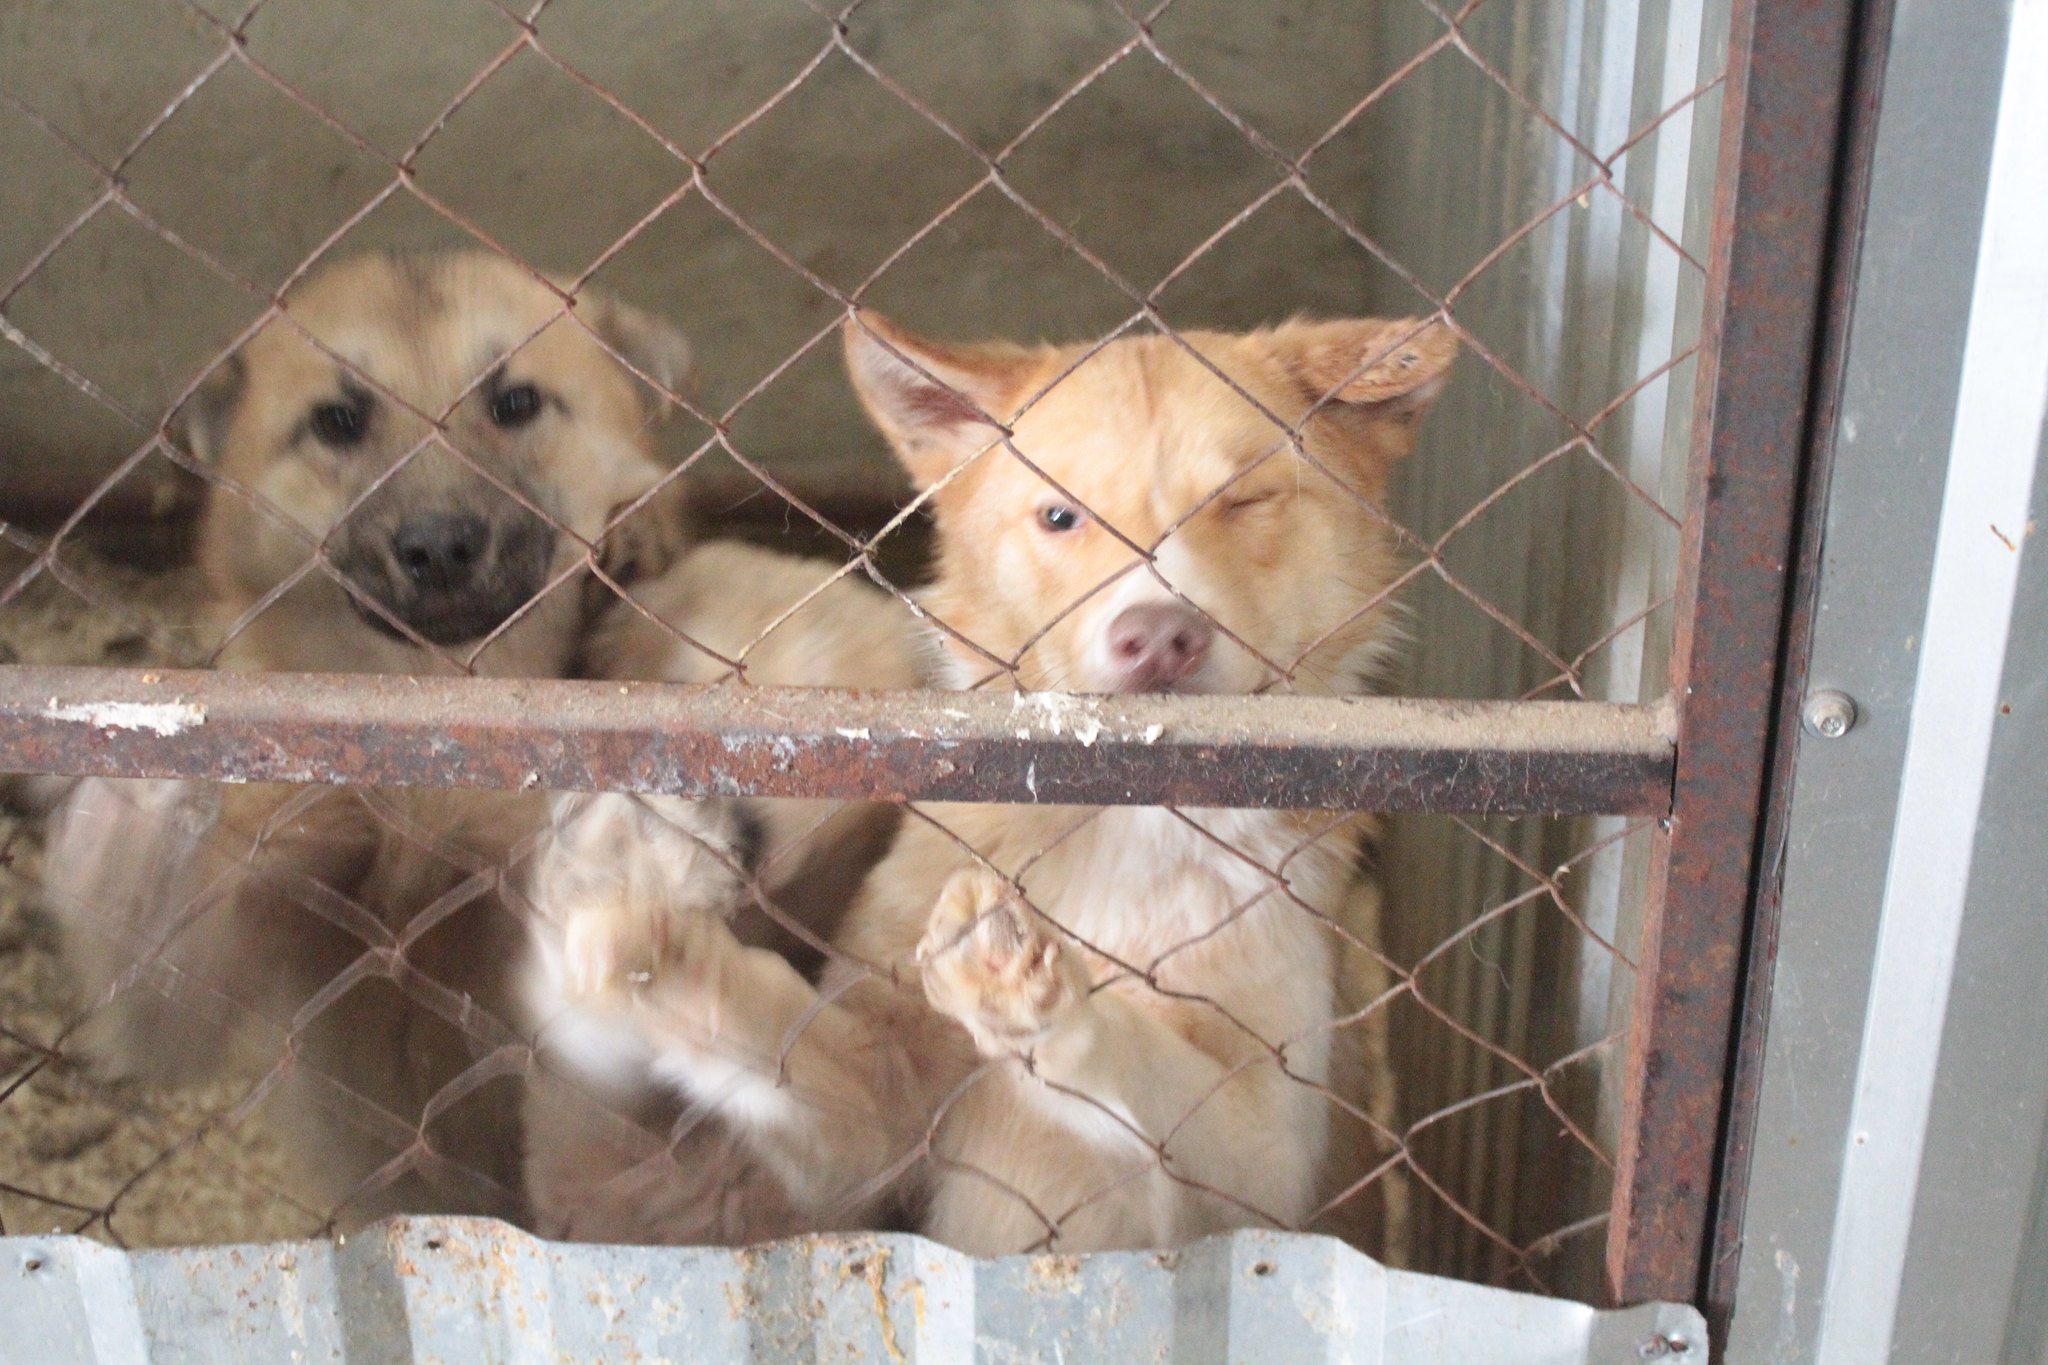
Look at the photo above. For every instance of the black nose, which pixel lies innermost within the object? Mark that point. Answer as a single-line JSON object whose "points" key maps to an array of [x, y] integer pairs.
{"points": [[440, 552]]}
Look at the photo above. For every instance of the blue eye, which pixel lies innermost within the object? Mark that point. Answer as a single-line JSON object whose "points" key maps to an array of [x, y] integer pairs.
{"points": [[1058, 517]]}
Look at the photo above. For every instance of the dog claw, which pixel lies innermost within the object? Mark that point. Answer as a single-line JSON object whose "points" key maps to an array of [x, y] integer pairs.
{"points": [[995, 965]]}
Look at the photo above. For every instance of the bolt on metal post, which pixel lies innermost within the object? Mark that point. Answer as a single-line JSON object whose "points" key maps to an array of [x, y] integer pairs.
{"points": [[1828, 714]]}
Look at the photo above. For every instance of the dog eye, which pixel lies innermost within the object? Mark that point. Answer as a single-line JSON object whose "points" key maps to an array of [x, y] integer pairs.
{"points": [[1058, 517], [1232, 506], [516, 406], [339, 424]]}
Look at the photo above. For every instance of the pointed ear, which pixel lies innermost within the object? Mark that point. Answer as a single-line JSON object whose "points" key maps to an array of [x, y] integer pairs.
{"points": [[652, 540], [201, 422], [937, 404], [1389, 368], [653, 345]]}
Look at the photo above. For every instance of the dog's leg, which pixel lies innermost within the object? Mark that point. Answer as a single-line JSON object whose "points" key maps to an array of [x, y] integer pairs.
{"points": [[124, 879], [1114, 1070], [191, 895], [639, 945]]}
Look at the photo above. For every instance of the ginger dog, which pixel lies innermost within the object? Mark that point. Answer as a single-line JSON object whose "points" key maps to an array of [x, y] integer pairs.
{"points": [[208, 918], [1084, 1029]]}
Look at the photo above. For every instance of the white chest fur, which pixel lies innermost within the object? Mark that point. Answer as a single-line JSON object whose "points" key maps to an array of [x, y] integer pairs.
{"points": [[1223, 905]]}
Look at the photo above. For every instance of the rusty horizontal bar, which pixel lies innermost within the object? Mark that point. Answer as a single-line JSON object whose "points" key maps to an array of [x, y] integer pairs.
{"points": [[1301, 752]]}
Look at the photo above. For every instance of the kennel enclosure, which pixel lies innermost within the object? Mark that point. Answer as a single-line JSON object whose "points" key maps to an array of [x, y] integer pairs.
{"points": [[1651, 265]]}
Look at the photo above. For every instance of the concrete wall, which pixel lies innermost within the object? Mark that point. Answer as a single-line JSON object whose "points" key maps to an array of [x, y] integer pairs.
{"points": [[840, 176]]}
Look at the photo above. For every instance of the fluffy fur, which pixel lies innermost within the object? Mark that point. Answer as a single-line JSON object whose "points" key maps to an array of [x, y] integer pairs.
{"points": [[622, 881], [1083, 1029]]}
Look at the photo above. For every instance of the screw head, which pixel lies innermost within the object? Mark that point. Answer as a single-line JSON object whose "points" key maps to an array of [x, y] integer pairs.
{"points": [[1660, 1345], [1829, 715]]}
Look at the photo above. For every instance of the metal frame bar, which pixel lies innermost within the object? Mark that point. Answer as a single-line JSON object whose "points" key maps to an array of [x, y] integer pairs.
{"points": [[1873, 43], [1293, 752], [1776, 203]]}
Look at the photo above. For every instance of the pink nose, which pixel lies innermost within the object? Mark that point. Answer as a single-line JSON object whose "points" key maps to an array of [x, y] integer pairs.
{"points": [[1157, 644]]}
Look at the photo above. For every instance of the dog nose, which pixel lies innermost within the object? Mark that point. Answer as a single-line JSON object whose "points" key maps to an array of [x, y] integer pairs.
{"points": [[441, 551], [1158, 643]]}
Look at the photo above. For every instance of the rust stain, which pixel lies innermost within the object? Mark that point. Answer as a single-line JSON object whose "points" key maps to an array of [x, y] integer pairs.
{"points": [[874, 1267], [1790, 73], [1349, 753], [1056, 1274]]}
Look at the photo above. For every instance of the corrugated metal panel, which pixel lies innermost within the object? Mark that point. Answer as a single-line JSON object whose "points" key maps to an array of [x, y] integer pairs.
{"points": [[473, 1290]]}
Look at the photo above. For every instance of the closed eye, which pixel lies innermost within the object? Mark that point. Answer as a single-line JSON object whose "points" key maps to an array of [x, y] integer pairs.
{"points": [[1232, 505]]}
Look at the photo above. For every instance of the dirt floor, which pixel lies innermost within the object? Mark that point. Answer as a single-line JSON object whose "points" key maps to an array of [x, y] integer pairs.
{"points": [[116, 1161]]}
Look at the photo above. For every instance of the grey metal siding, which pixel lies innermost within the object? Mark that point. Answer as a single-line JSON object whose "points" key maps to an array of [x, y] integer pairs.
{"points": [[462, 1291]]}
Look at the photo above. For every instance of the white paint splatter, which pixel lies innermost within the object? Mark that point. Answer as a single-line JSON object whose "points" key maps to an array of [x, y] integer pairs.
{"points": [[851, 734], [1056, 711], [1788, 1304], [164, 718], [1153, 732]]}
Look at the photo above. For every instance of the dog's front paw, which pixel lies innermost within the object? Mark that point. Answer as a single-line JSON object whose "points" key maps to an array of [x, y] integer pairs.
{"points": [[610, 949], [996, 966], [633, 889]]}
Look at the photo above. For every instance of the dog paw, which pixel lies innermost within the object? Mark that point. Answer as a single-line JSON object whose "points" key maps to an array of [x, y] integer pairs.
{"points": [[634, 889], [611, 949], [996, 966]]}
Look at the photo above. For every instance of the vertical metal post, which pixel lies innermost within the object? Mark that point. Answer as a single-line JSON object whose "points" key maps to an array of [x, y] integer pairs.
{"points": [[1781, 135], [1859, 145]]}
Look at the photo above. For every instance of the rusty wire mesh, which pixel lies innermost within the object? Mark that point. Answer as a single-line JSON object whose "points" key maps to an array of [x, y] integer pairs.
{"points": [[1492, 1160]]}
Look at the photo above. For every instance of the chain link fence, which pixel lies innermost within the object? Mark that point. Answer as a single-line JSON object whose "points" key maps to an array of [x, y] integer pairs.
{"points": [[237, 438]]}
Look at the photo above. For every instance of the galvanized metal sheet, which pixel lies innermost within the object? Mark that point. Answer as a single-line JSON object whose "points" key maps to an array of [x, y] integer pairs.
{"points": [[457, 1290], [1970, 1284]]}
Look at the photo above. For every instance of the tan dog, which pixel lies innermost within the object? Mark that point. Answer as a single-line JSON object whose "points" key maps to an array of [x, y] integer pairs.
{"points": [[368, 926], [464, 549], [635, 1167], [1071, 1028]]}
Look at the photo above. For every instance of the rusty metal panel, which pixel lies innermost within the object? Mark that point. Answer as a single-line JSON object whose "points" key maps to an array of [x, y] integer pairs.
{"points": [[1859, 139], [458, 1290], [1295, 752], [1775, 206]]}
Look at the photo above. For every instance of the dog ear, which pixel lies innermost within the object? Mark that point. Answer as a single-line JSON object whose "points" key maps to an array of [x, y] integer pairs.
{"points": [[1389, 368], [645, 544], [939, 405], [200, 424], [652, 345], [652, 538]]}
